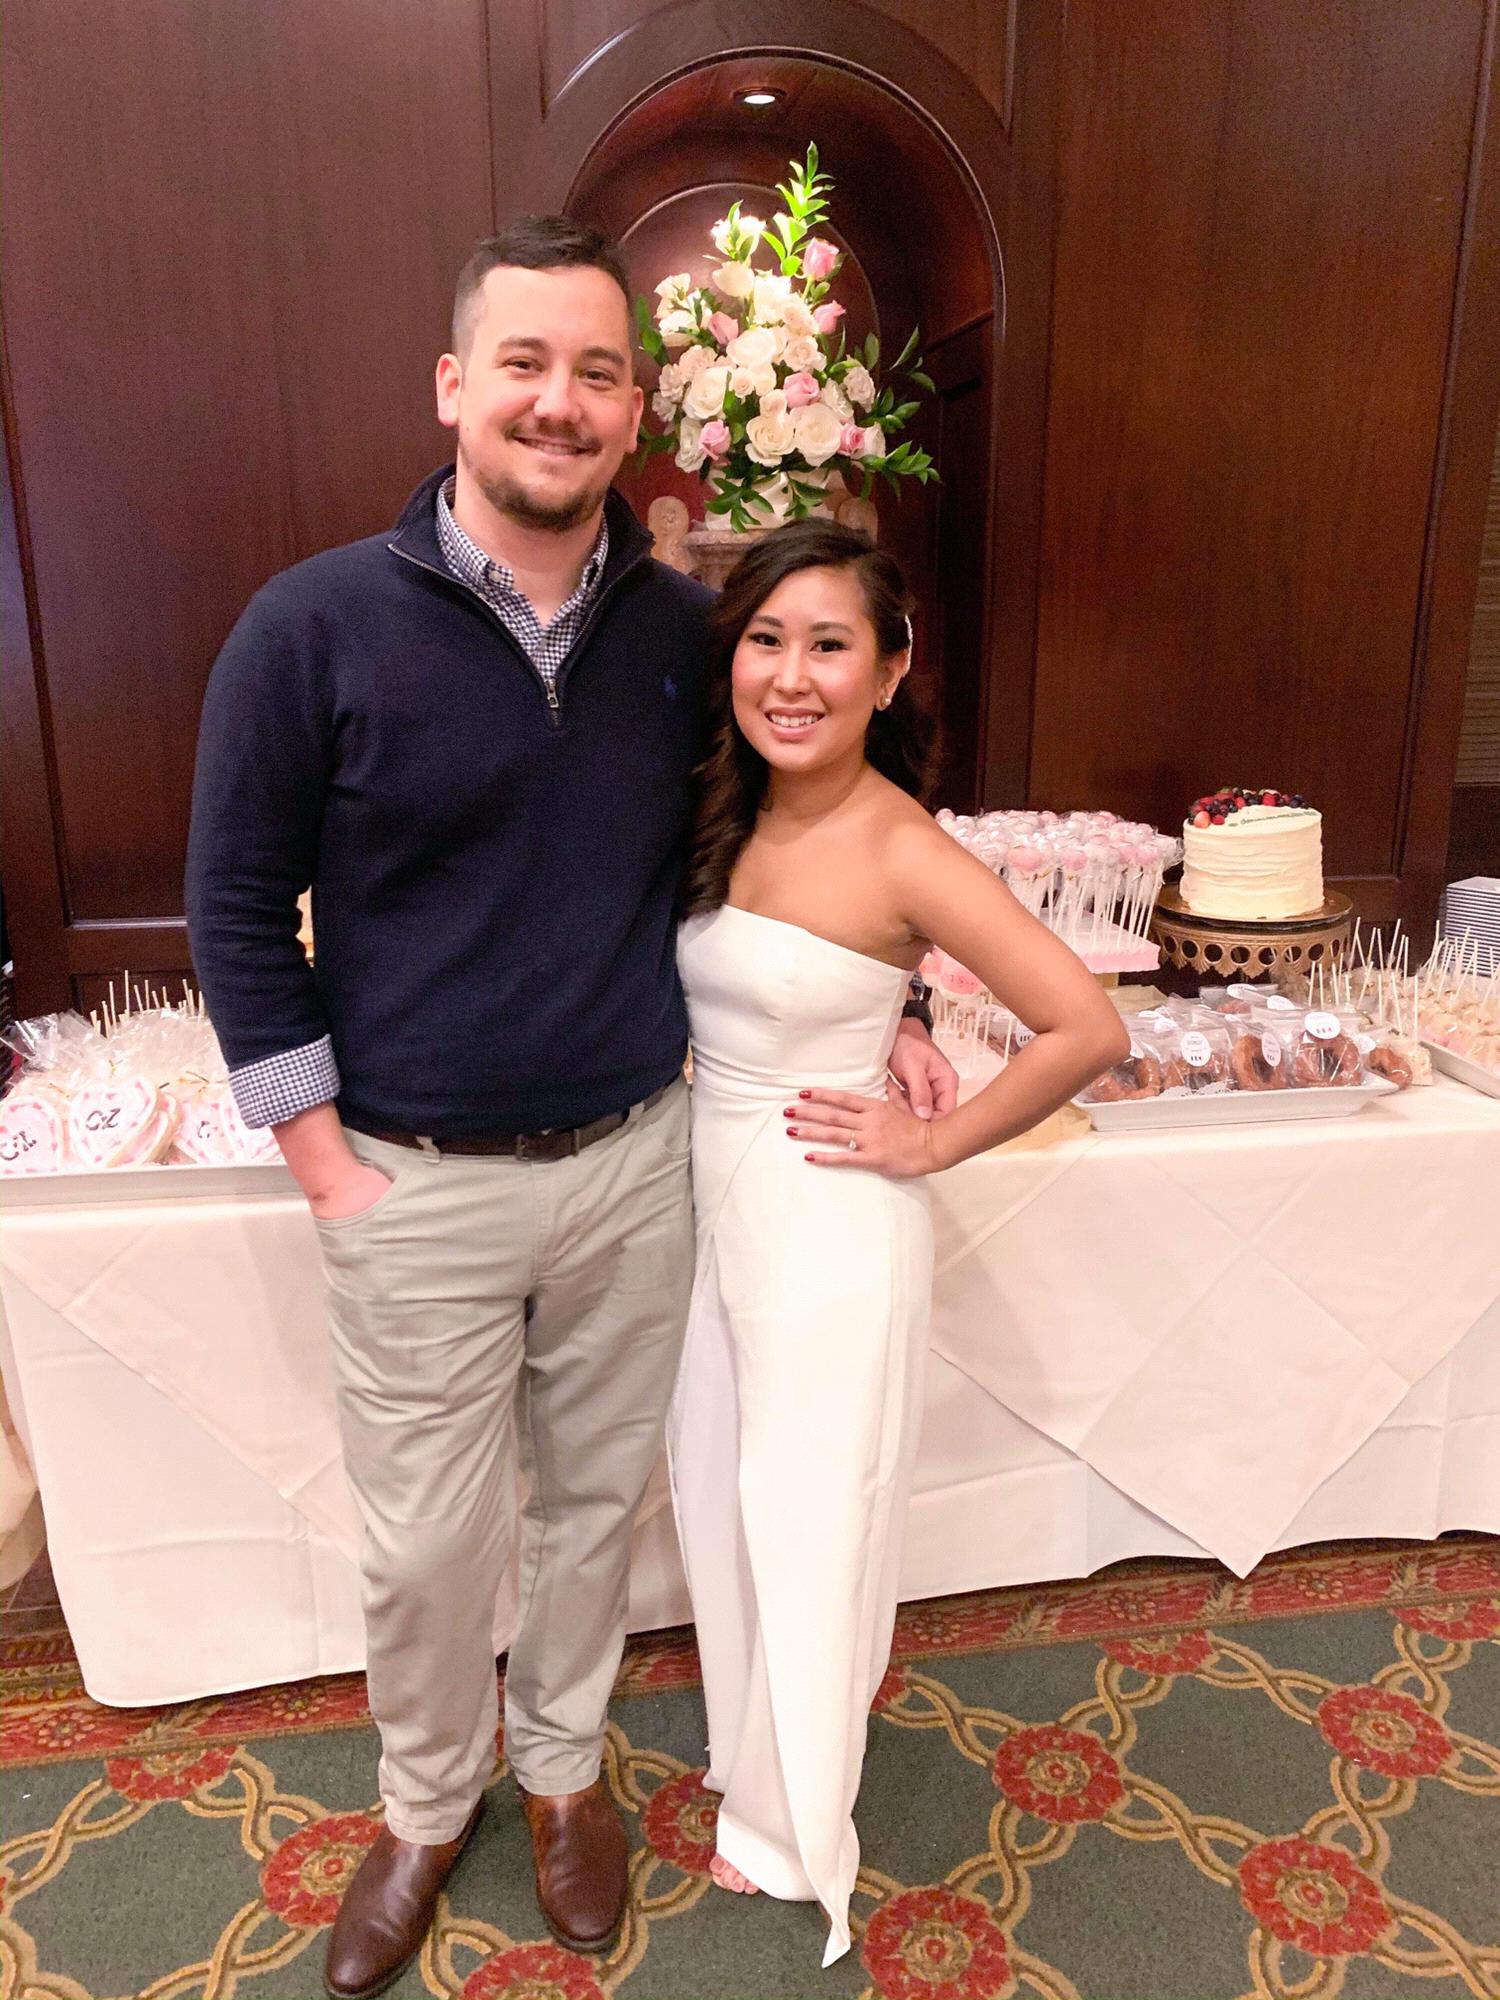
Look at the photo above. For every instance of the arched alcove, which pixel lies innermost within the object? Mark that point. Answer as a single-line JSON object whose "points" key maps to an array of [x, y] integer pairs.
{"points": [[920, 252]]}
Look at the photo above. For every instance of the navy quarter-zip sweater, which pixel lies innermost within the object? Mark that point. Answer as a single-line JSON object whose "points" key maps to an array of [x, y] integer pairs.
{"points": [[493, 877]]}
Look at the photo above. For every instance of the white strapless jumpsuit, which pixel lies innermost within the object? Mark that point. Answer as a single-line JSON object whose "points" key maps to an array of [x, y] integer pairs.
{"points": [[795, 1418]]}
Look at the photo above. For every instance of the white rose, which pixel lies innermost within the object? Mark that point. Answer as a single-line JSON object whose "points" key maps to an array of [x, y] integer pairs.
{"points": [[874, 442], [677, 328], [671, 381], [694, 360], [816, 430], [838, 402], [771, 294], [733, 281], [773, 403], [768, 437], [753, 381], [796, 317], [663, 408], [705, 394], [755, 347], [672, 292], [802, 351], [859, 387], [690, 454]]}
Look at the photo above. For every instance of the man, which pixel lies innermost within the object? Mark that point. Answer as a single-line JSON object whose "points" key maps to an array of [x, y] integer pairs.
{"points": [[474, 738]]}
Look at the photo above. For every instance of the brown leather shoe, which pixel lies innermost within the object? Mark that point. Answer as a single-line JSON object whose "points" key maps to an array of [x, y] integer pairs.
{"points": [[582, 1865], [387, 1911]]}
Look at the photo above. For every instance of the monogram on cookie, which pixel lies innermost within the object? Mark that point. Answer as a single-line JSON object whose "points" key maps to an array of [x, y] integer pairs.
{"points": [[114, 1124], [33, 1138]]}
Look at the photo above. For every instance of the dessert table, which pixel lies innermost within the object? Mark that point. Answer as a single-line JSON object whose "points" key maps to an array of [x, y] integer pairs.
{"points": [[1215, 1342]]}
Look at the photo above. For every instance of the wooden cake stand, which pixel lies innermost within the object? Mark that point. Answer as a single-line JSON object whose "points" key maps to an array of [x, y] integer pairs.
{"points": [[1220, 948]]}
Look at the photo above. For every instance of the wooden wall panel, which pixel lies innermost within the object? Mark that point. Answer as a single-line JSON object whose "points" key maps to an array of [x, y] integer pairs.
{"points": [[141, 342], [949, 665], [977, 36], [1479, 743], [1258, 248], [229, 247]]}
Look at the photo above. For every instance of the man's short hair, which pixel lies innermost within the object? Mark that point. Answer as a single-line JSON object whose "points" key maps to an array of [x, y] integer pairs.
{"points": [[534, 243]]}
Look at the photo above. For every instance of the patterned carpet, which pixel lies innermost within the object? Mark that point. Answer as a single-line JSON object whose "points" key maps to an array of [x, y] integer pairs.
{"points": [[1158, 1784]]}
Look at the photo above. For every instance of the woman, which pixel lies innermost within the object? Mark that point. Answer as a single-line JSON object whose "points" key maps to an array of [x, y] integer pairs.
{"points": [[817, 885]]}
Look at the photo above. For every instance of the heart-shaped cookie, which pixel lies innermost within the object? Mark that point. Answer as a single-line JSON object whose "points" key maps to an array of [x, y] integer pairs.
{"points": [[112, 1122], [253, 1144], [33, 1138], [202, 1140]]}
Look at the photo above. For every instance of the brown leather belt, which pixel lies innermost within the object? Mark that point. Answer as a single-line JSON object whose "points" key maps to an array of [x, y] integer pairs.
{"points": [[528, 1145]]}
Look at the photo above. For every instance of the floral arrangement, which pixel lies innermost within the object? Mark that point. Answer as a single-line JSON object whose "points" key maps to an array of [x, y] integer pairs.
{"points": [[758, 393]]}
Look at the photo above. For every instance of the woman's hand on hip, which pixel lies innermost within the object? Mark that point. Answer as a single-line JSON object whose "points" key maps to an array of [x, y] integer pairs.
{"points": [[866, 1132]]}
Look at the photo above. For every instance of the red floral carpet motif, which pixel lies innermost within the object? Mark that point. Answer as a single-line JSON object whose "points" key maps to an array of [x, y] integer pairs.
{"points": [[1454, 1621], [931, 1944], [1064, 1775], [1002, 1827], [173, 1775], [1314, 1897], [533, 1972], [681, 1823], [304, 1880], [1385, 1731], [1171, 1653]]}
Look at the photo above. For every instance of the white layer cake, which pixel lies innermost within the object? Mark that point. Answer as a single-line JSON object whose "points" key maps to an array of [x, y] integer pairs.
{"points": [[1263, 862]]}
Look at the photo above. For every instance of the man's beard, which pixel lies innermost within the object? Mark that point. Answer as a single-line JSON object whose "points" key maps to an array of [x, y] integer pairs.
{"points": [[507, 496]]}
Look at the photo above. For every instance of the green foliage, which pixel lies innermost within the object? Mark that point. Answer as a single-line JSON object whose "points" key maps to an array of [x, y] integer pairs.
{"points": [[804, 210], [650, 339]]}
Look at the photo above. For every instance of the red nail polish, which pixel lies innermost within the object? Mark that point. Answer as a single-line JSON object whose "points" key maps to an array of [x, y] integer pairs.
{"points": [[791, 1131], [808, 1156], [804, 1093], [789, 1112]]}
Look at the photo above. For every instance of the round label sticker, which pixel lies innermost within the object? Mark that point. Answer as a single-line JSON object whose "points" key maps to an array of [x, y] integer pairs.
{"points": [[1195, 1049], [1024, 1034], [1279, 1004], [1323, 1027], [1272, 1050]]}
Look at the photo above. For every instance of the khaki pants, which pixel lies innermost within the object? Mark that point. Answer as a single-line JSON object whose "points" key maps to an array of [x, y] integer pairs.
{"points": [[476, 1288]]}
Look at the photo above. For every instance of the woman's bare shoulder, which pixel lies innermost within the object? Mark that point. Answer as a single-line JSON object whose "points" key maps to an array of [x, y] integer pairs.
{"points": [[906, 830]]}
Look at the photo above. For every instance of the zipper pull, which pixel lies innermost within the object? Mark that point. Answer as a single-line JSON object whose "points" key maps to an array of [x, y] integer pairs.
{"points": [[552, 700]]}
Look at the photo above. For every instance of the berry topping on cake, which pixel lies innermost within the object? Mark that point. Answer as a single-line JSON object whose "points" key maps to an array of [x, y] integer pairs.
{"points": [[1214, 808]]}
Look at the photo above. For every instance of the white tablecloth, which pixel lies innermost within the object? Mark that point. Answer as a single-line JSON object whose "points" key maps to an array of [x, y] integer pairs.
{"points": [[1188, 1343]]}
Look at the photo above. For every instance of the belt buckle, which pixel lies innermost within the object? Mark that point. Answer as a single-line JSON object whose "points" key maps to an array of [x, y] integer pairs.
{"points": [[546, 1146]]}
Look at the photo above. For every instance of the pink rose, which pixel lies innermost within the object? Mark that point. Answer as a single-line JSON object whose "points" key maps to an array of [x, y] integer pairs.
{"points": [[801, 389], [826, 318], [714, 440], [723, 328], [818, 258], [851, 440]]}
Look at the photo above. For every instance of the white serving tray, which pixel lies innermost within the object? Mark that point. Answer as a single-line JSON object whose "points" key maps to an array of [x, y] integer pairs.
{"points": [[1235, 1107], [104, 1187], [1474, 1074]]}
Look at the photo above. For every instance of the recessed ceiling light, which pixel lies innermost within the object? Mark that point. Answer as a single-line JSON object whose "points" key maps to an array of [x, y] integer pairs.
{"points": [[760, 97]]}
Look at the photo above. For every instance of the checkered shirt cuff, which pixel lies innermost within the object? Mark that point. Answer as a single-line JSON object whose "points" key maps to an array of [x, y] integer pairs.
{"points": [[276, 1088]]}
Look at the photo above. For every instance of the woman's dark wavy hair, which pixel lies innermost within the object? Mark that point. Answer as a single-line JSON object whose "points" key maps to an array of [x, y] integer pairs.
{"points": [[731, 781]]}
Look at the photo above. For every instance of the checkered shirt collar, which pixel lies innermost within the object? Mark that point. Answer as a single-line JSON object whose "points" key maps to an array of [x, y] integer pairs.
{"points": [[483, 573]]}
